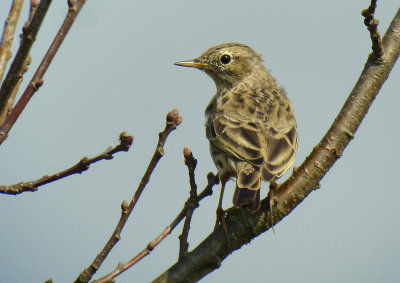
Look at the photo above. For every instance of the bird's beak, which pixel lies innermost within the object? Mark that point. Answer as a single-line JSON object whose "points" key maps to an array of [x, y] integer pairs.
{"points": [[192, 64]]}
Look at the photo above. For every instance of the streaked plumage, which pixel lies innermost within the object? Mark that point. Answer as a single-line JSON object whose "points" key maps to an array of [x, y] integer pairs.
{"points": [[250, 121]]}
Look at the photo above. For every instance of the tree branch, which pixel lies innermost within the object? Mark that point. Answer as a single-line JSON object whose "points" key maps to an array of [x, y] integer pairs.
{"points": [[37, 79], [10, 103], [8, 35], [192, 203], [372, 25], [172, 121], [32, 10], [212, 180], [242, 226], [28, 37], [11, 99], [83, 165]]}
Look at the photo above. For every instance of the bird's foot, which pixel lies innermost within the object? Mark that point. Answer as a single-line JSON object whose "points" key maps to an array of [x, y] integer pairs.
{"points": [[221, 220], [273, 186]]}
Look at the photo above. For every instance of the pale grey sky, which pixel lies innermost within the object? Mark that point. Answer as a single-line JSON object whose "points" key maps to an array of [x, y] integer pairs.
{"points": [[115, 72]]}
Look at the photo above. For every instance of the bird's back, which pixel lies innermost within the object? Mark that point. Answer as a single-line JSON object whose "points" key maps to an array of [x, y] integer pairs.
{"points": [[255, 123]]}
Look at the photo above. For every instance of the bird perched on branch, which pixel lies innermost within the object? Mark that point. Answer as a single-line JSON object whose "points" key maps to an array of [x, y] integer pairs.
{"points": [[250, 123]]}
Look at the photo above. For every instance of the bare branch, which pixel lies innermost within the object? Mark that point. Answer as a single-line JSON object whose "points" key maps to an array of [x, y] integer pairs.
{"points": [[29, 33], [37, 79], [191, 203], [243, 226], [8, 35], [83, 165], [32, 10], [28, 37], [212, 180], [372, 25], [172, 121], [10, 102]]}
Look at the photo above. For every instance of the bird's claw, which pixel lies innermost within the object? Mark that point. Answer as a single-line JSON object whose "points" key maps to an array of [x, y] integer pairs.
{"points": [[221, 220]]}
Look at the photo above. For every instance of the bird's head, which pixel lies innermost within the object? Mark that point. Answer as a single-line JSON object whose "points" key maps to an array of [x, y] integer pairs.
{"points": [[227, 64]]}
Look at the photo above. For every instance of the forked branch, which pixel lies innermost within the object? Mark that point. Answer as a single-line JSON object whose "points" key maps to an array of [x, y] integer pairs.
{"points": [[29, 33], [172, 121], [37, 79], [212, 180]]}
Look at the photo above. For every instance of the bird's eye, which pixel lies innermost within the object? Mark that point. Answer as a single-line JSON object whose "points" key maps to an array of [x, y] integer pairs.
{"points": [[225, 59]]}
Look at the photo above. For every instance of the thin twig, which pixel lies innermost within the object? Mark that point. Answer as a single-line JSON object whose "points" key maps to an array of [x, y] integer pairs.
{"points": [[172, 121], [32, 10], [212, 180], [8, 35], [83, 165], [191, 204], [372, 25], [10, 102], [37, 79], [28, 37]]}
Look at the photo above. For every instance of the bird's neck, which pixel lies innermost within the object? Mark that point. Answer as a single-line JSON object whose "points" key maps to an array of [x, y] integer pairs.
{"points": [[223, 86]]}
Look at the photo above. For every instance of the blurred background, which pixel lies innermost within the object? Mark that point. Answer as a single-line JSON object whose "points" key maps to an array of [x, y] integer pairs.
{"points": [[115, 73]]}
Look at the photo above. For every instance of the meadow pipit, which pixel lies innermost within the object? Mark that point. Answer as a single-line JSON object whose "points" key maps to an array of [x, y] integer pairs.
{"points": [[250, 123]]}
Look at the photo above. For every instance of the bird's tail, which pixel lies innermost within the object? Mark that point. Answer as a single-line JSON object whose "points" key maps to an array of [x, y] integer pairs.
{"points": [[248, 183]]}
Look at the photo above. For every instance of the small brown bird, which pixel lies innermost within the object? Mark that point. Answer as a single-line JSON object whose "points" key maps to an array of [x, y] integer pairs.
{"points": [[250, 123]]}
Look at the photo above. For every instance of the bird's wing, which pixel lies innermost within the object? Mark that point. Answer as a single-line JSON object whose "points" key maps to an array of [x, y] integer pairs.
{"points": [[270, 143], [237, 137], [280, 140]]}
